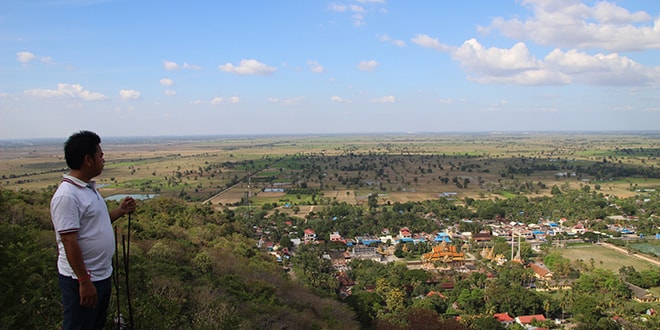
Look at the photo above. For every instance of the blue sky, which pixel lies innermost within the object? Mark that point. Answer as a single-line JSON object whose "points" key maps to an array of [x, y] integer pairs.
{"points": [[144, 68]]}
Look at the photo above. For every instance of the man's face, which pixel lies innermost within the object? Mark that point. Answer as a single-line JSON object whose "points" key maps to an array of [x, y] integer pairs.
{"points": [[98, 161]]}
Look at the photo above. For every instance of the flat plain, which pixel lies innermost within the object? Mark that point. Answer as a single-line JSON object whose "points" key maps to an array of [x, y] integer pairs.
{"points": [[308, 170]]}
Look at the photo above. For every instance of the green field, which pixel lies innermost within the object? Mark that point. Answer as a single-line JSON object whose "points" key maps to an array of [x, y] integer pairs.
{"points": [[651, 247], [605, 258]]}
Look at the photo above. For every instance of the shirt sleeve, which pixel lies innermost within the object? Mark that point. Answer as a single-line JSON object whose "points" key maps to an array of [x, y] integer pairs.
{"points": [[65, 214]]}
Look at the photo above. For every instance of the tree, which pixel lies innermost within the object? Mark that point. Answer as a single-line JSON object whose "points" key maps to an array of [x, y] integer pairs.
{"points": [[29, 279], [486, 322], [395, 300], [286, 242], [314, 271], [471, 301], [366, 305], [513, 272], [587, 309], [372, 201]]}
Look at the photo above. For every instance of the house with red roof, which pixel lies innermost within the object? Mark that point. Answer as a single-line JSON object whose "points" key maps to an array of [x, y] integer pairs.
{"points": [[336, 237], [541, 272], [504, 318], [310, 235], [528, 319], [405, 233], [436, 293]]}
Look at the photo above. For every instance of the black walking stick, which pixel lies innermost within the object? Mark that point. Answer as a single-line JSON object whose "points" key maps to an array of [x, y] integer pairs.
{"points": [[126, 245], [126, 251], [115, 278]]}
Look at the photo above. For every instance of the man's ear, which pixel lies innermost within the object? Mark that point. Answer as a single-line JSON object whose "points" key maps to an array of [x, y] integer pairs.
{"points": [[88, 160]]}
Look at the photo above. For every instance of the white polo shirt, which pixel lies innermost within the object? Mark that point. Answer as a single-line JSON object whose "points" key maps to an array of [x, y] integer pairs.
{"points": [[78, 207]]}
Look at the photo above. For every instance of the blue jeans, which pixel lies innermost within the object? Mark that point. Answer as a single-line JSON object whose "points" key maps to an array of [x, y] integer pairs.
{"points": [[79, 317]]}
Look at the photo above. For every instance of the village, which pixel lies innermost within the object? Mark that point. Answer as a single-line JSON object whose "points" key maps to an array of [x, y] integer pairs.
{"points": [[463, 252]]}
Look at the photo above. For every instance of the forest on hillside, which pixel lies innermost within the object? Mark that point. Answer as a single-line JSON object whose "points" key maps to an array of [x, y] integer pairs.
{"points": [[190, 268], [194, 266]]}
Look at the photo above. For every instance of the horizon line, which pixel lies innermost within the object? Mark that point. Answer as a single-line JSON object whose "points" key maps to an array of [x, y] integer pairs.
{"points": [[489, 132]]}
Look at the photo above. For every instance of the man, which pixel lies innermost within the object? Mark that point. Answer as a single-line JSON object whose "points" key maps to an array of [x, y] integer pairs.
{"points": [[85, 238]]}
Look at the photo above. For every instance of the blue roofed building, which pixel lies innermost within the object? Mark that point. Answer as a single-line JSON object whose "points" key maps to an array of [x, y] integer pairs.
{"points": [[442, 237]]}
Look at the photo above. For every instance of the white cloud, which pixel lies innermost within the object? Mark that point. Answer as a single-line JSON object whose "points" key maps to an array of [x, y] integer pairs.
{"points": [[170, 66], [170, 92], [338, 7], [229, 100], [356, 8], [517, 65], [608, 12], [315, 67], [529, 77], [129, 94], [191, 66], [248, 67], [358, 19], [386, 38], [339, 99], [568, 24], [26, 57], [73, 91], [601, 69], [368, 65], [287, 102], [573, 24], [173, 66], [166, 82], [384, 99], [495, 61], [358, 11], [428, 42]]}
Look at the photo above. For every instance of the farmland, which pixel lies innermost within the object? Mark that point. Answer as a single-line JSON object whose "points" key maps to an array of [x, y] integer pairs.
{"points": [[399, 168]]}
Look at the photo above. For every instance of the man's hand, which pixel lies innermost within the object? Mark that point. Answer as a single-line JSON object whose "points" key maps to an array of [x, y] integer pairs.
{"points": [[128, 204], [88, 294], [87, 289]]}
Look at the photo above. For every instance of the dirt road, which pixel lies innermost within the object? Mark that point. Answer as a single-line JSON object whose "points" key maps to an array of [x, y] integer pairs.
{"points": [[636, 255]]}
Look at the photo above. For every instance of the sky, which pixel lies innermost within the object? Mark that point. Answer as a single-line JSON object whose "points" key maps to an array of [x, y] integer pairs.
{"points": [[163, 68]]}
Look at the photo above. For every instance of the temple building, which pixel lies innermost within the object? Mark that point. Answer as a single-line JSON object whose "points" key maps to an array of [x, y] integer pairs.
{"points": [[444, 253]]}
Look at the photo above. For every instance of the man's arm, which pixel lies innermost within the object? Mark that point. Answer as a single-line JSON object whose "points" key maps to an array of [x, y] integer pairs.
{"points": [[88, 294]]}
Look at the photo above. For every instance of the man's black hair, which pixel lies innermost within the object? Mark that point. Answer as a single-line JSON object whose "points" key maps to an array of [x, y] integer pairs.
{"points": [[78, 146]]}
